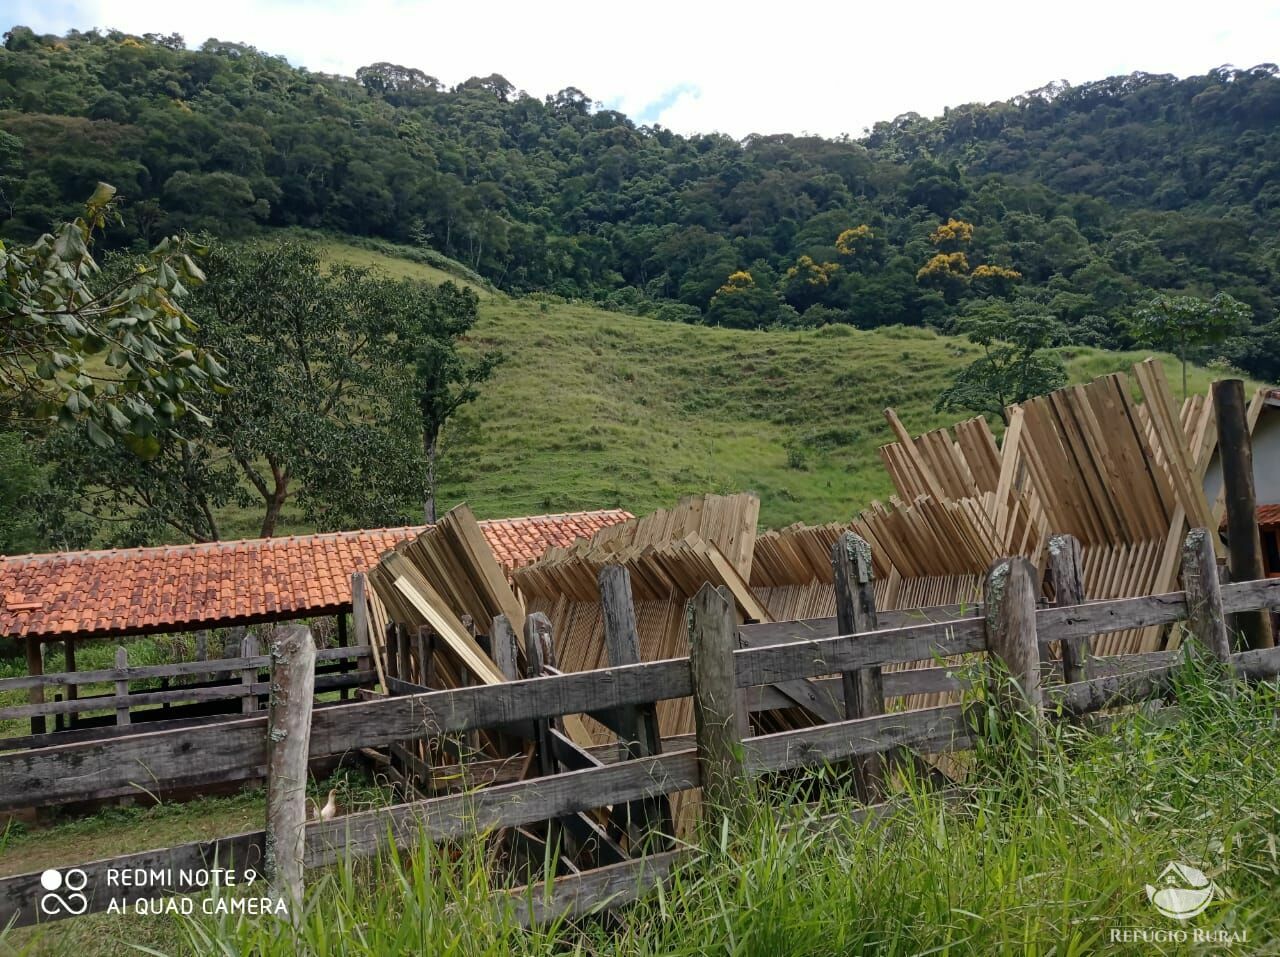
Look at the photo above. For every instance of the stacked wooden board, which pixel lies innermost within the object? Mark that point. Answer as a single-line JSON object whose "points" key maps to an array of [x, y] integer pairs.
{"points": [[446, 578], [669, 554], [1123, 476]]}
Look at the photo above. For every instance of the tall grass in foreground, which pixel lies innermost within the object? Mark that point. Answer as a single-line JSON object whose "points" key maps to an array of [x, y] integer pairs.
{"points": [[1045, 852]]}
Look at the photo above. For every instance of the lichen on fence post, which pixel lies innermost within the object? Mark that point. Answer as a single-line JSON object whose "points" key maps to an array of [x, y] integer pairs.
{"points": [[1206, 620], [719, 718], [293, 676], [1010, 603]]}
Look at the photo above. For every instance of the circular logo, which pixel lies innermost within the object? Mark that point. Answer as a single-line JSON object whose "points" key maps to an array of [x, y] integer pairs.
{"points": [[63, 892], [1183, 891]]}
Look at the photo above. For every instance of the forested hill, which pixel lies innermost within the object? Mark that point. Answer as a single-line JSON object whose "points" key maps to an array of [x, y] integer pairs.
{"points": [[1071, 203]]}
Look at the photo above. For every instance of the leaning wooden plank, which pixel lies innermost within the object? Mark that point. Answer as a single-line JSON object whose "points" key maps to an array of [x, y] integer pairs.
{"points": [[484, 567], [741, 591], [463, 645]]}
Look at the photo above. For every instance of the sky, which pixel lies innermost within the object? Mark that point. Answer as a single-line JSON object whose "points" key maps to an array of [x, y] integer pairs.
{"points": [[737, 68]]}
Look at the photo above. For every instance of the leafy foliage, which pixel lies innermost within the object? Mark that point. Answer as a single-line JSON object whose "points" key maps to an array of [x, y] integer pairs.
{"points": [[114, 353], [331, 369], [1015, 364], [1185, 324], [1098, 196]]}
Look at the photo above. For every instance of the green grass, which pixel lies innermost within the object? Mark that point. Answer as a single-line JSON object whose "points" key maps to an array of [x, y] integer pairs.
{"points": [[1046, 851], [598, 409]]}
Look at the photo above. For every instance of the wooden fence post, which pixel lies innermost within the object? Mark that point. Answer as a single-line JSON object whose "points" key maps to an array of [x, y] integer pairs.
{"points": [[1244, 546], [637, 724], [360, 632], [856, 614], [503, 648], [293, 677], [1205, 619], [249, 648], [122, 687], [1010, 611], [539, 651], [1066, 570], [720, 721], [35, 667]]}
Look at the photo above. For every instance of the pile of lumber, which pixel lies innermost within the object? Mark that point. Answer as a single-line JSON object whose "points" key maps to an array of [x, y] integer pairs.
{"points": [[669, 554], [1124, 476], [448, 579]]}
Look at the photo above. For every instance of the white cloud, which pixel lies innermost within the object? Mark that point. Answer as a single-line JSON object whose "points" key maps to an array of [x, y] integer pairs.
{"points": [[823, 67]]}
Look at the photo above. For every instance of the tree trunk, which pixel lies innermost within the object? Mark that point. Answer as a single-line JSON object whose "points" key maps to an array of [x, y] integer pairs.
{"points": [[275, 505], [430, 439]]}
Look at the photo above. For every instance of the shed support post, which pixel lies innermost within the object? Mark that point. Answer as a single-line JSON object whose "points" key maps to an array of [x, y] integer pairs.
{"points": [[122, 687], [35, 667], [249, 676], [1244, 545]]}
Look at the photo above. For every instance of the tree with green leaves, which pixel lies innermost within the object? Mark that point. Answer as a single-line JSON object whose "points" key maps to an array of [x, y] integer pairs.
{"points": [[317, 418], [117, 354], [1186, 325], [1015, 363], [342, 383], [444, 378]]}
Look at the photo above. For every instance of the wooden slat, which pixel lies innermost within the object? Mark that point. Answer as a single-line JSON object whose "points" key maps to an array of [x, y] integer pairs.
{"points": [[179, 669]]}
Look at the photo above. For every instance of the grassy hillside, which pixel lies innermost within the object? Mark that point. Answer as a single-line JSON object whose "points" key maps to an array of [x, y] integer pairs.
{"points": [[596, 409]]}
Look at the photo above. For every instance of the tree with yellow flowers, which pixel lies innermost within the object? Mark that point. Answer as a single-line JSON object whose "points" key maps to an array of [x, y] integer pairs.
{"points": [[742, 303], [948, 269], [952, 235], [946, 272], [855, 241]]}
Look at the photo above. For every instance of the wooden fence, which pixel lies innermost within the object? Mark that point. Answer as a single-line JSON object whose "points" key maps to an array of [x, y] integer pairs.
{"points": [[775, 662], [216, 681]]}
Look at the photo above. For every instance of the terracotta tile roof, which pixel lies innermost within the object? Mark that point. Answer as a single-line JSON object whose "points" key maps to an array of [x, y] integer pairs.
{"points": [[181, 587], [1268, 515]]}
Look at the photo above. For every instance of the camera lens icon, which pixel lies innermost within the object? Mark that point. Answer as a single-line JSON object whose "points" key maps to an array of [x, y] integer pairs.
{"points": [[63, 892]]}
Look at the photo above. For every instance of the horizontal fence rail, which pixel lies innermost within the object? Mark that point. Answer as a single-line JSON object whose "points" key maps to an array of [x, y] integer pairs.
{"points": [[220, 692], [179, 669], [126, 765], [508, 805], [779, 665]]}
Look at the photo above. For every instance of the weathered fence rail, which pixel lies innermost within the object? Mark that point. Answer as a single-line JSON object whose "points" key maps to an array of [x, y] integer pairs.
{"points": [[730, 682], [247, 683], [102, 768]]}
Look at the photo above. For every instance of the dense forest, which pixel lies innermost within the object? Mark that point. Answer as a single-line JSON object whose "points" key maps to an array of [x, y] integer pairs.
{"points": [[1075, 204]]}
